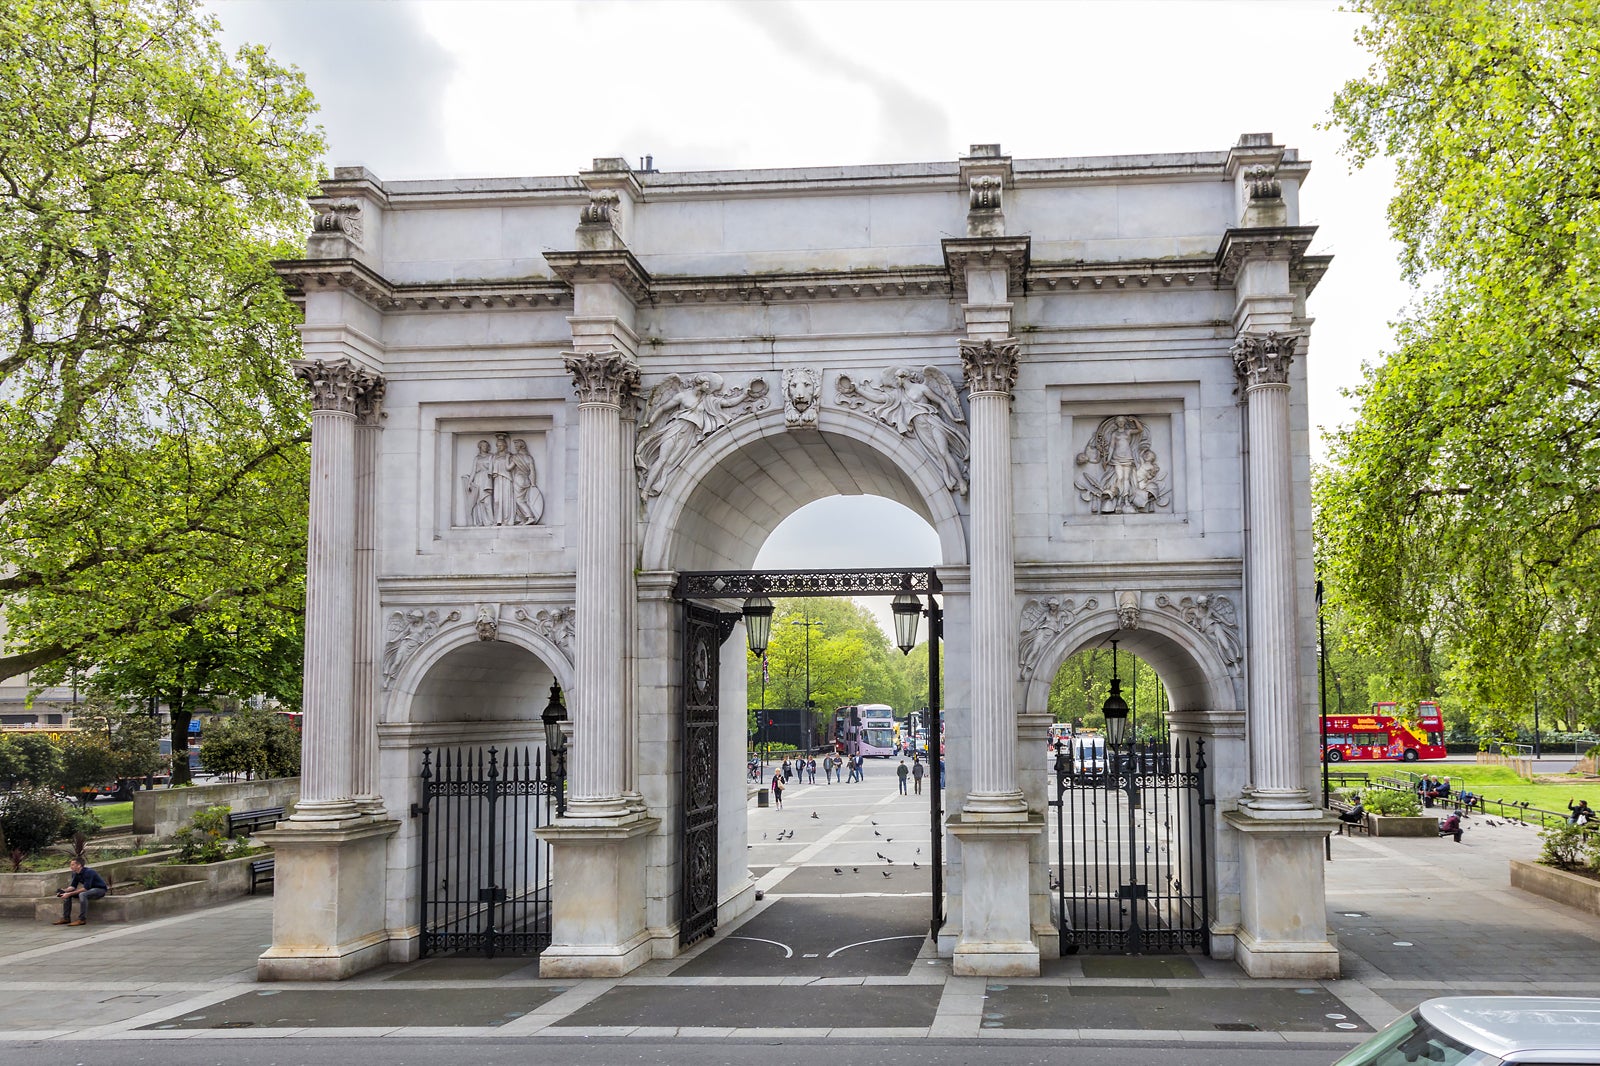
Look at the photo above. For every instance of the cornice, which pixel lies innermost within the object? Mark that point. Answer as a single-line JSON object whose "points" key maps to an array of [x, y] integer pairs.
{"points": [[616, 265], [1127, 274], [807, 285], [960, 251], [1278, 241], [300, 276]]}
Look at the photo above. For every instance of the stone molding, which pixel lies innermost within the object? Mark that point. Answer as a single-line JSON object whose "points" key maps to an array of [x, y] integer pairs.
{"points": [[343, 218], [608, 377], [1264, 358], [340, 386], [1280, 242], [1013, 252], [990, 366], [616, 265]]}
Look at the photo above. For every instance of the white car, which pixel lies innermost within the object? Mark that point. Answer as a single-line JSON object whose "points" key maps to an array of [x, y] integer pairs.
{"points": [[1487, 1031]]}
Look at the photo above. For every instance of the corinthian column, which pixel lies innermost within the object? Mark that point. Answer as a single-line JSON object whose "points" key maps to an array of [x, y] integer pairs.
{"points": [[365, 694], [1262, 361], [991, 369], [326, 787], [604, 381]]}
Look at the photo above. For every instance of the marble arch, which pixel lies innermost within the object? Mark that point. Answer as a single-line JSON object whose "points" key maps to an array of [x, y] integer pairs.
{"points": [[1055, 361]]}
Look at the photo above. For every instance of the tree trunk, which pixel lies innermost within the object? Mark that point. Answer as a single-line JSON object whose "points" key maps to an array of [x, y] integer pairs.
{"points": [[180, 746]]}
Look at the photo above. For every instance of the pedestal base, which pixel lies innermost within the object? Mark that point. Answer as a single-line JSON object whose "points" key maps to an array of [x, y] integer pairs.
{"points": [[1283, 925], [598, 919], [996, 934], [328, 901]]}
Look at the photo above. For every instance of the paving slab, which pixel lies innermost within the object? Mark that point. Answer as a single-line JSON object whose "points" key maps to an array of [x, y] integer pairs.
{"points": [[793, 1007], [1219, 1010], [814, 937], [364, 1008]]}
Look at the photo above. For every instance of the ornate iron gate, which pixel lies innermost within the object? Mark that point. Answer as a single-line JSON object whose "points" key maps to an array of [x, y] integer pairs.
{"points": [[703, 633], [1132, 871], [485, 876]]}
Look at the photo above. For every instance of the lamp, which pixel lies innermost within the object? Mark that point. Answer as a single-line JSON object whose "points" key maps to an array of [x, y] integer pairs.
{"points": [[907, 610], [554, 717], [758, 623], [1115, 708]]}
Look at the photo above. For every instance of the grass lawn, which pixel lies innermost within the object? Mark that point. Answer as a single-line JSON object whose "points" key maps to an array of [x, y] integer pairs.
{"points": [[1549, 791], [113, 813]]}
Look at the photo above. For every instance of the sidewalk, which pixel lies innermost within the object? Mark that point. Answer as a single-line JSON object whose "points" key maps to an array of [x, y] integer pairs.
{"points": [[847, 947]]}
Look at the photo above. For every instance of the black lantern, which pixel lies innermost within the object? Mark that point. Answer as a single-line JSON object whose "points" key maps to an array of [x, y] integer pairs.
{"points": [[554, 717], [758, 623], [907, 610], [1115, 708]]}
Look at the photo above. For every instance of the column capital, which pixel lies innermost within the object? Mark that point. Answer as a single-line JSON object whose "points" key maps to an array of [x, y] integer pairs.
{"points": [[1264, 358], [340, 386], [608, 377], [990, 365]]}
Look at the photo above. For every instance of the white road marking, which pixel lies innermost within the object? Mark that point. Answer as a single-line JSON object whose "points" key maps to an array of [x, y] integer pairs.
{"points": [[788, 952], [880, 940]]}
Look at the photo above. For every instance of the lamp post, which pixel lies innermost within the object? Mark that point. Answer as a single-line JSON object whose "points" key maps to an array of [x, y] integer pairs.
{"points": [[1115, 710], [1322, 688], [757, 632], [810, 717], [555, 745]]}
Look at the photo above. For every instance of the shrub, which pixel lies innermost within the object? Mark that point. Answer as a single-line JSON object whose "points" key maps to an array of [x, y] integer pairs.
{"points": [[205, 838], [32, 820], [81, 821], [1571, 847], [1391, 802]]}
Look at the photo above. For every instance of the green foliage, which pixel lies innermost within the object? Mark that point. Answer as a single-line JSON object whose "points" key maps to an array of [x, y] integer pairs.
{"points": [[1083, 682], [253, 742], [32, 819], [205, 838], [87, 762], [28, 759], [153, 451], [1571, 847], [1389, 801], [81, 822], [1457, 527], [129, 730]]}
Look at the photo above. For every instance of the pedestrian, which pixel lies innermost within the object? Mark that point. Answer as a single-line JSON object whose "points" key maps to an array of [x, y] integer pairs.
{"points": [[777, 790], [86, 885], [811, 770], [1451, 826], [861, 767], [1581, 814], [787, 771], [827, 768], [941, 771], [917, 771], [903, 773]]}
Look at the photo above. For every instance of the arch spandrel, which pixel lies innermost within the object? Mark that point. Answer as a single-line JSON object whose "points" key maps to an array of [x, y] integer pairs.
{"points": [[517, 648], [1188, 664], [760, 471]]}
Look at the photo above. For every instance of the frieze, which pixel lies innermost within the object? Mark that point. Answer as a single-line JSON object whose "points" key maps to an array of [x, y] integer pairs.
{"points": [[922, 405], [1043, 619], [1213, 617], [682, 412]]}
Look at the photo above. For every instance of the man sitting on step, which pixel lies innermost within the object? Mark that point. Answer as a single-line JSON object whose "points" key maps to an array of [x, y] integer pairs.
{"points": [[86, 885]]}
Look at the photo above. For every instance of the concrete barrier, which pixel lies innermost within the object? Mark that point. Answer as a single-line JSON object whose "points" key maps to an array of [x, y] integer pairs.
{"points": [[1563, 886], [162, 812]]}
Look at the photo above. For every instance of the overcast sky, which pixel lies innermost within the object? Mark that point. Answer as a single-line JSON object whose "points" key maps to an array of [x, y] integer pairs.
{"points": [[460, 88]]}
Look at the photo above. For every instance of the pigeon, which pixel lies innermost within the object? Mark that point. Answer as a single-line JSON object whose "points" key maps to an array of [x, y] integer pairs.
{"points": [[855, 869], [888, 840], [888, 860], [876, 833], [886, 873], [879, 854], [837, 870], [813, 814], [763, 836], [919, 851], [914, 866], [870, 820]]}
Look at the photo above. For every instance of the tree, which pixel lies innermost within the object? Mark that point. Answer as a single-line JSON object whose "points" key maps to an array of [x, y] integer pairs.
{"points": [[1459, 516], [129, 731], [153, 446], [254, 742], [88, 761], [28, 759]]}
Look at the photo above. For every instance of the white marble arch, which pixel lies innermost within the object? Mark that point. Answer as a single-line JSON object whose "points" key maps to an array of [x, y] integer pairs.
{"points": [[715, 511]]}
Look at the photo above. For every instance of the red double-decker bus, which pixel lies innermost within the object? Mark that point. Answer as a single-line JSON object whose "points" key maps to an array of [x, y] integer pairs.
{"points": [[1384, 735]]}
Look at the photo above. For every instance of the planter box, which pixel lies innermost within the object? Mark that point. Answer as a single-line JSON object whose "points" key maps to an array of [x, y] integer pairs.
{"points": [[1562, 886], [146, 903], [164, 811], [46, 882], [1403, 825], [223, 880]]}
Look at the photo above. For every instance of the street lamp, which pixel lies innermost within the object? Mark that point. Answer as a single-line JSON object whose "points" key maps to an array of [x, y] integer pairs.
{"points": [[758, 623], [907, 610], [555, 744], [1115, 708], [808, 623]]}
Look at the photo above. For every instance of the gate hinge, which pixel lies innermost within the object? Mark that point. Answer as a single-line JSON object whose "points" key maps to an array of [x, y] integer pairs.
{"points": [[416, 810]]}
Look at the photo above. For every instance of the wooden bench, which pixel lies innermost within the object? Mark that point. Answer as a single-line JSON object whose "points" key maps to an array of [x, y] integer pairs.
{"points": [[1344, 826], [248, 822], [261, 873], [1347, 778]]}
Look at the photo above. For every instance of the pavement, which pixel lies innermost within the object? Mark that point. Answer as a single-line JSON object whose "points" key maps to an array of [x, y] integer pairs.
{"points": [[836, 950]]}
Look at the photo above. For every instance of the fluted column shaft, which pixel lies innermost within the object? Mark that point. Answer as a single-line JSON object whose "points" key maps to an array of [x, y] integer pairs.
{"points": [[1274, 713], [596, 766], [365, 690], [991, 369], [326, 785]]}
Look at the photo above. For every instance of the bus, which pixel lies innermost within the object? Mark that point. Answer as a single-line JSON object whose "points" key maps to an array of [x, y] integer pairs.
{"points": [[865, 729], [1383, 734]]}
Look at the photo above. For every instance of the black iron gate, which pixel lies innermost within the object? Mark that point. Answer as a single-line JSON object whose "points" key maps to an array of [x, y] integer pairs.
{"points": [[1131, 870], [703, 633], [485, 876]]}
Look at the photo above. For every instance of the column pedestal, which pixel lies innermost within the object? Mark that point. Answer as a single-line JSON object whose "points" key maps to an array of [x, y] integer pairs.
{"points": [[1283, 923], [328, 901], [996, 933], [598, 919]]}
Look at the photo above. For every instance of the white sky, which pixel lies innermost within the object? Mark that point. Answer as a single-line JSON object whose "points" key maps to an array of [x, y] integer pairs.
{"points": [[465, 88]]}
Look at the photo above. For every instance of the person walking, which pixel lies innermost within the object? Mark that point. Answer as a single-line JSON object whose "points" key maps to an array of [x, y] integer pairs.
{"points": [[777, 790], [903, 772], [787, 770], [917, 772], [811, 770], [86, 885], [827, 768]]}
